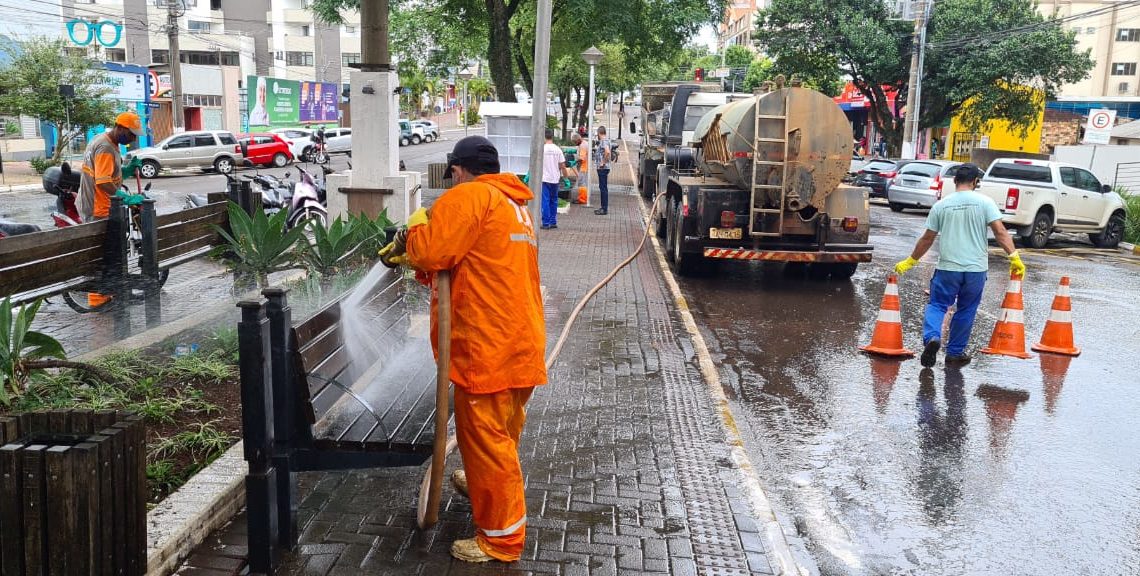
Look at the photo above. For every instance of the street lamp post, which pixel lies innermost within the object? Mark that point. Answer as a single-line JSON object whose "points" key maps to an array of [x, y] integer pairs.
{"points": [[593, 57], [465, 75]]}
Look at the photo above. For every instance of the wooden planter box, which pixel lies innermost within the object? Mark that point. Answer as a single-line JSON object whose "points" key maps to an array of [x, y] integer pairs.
{"points": [[72, 493]]}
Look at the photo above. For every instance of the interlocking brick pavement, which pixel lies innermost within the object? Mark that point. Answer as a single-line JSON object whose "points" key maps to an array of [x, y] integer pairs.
{"points": [[627, 466]]}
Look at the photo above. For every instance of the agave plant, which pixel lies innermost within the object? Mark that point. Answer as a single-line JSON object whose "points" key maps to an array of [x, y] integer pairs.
{"points": [[259, 245], [21, 348], [329, 249], [370, 233]]}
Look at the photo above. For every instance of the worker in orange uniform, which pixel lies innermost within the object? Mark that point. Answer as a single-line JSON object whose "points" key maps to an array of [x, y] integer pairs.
{"points": [[103, 175], [102, 167], [480, 230]]}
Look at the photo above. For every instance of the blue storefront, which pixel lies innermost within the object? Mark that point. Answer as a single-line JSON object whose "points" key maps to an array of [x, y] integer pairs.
{"points": [[127, 84]]}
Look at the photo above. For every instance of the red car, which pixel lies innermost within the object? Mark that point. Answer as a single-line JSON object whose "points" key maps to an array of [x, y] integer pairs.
{"points": [[267, 150]]}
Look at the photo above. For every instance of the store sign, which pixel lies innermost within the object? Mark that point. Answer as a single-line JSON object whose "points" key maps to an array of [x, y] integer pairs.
{"points": [[318, 102], [105, 32], [1098, 130], [124, 86]]}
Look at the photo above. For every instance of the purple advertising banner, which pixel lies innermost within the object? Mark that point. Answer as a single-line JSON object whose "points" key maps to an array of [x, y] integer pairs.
{"points": [[319, 102]]}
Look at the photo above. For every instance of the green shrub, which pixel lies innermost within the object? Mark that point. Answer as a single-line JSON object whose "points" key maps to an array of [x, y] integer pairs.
{"points": [[472, 117], [41, 164], [259, 245], [552, 122], [11, 128], [1132, 218]]}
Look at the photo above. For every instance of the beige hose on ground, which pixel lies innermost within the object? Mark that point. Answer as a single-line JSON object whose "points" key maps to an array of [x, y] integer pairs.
{"points": [[431, 487]]}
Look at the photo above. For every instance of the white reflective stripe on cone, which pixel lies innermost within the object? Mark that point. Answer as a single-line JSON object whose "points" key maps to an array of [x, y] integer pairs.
{"points": [[1065, 316], [892, 316], [1012, 316], [1063, 290], [892, 289], [506, 531], [1014, 286]]}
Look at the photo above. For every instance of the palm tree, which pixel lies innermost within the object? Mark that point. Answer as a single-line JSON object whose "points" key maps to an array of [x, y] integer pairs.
{"points": [[479, 89]]}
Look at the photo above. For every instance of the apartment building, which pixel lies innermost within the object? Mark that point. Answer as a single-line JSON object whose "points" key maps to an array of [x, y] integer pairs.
{"points": [[738, 24], [1111, 30]]}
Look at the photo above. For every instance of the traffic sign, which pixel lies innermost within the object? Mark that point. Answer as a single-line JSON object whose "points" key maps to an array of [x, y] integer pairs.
{"points": [[1098, 130]]}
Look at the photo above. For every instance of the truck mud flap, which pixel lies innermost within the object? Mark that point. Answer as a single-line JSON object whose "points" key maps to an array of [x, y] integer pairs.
{"points": [[786, 255]]}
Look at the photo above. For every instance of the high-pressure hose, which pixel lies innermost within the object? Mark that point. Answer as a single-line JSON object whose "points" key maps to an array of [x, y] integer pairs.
{"points": [[553, 355]]}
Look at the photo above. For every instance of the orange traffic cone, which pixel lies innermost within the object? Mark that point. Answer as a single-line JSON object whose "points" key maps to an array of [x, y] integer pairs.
{"points": [[582, 195], [1058, 335], [887, 339], [1009, 333]]}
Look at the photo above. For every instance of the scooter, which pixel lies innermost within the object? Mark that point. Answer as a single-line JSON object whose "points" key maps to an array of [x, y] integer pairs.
{"points": [[307, 202]]}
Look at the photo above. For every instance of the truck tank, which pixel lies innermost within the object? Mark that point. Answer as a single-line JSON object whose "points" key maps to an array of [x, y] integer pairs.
{"points": [[800, 155]]}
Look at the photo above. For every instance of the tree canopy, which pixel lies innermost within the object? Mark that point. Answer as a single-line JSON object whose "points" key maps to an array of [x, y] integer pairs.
{"points": [[29, 85], [996, 58]]}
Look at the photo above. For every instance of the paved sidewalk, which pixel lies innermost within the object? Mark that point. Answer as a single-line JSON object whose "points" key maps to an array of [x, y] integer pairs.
{"points": [[626, 462]]}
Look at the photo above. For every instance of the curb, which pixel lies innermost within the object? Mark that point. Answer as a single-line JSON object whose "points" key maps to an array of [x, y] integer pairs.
{"points": [[185, 518], [1129, 248], [775, 541], [20, 188]]}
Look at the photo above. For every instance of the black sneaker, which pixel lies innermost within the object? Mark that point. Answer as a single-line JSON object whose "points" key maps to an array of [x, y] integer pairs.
{"points": [[601, 212], [553, 225], [959, 360], [930, 353], [545, 227]]}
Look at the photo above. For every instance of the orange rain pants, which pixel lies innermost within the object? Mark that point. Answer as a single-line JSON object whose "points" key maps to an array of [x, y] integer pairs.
{"points": [[487, 428]]}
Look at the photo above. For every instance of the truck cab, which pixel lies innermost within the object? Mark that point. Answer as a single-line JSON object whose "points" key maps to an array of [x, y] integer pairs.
{"points": [[664, 141]]}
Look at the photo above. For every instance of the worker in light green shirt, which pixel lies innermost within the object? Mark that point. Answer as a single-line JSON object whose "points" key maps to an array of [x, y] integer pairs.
{"points": [[960, 220]]}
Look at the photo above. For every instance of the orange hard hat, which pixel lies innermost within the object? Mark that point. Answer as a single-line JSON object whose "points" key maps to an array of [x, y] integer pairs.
{"points": [[130, 121]]}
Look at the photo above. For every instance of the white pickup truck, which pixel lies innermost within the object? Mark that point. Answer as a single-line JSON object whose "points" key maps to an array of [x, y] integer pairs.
{"points": [[1039, 197]]}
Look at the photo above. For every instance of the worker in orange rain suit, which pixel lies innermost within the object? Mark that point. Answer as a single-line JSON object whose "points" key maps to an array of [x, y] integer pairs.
{"points": [[481, 231]]}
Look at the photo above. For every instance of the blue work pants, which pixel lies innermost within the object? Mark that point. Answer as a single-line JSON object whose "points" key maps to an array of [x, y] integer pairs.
{"points": [[604, 187], [549, 203], [947, 289]]}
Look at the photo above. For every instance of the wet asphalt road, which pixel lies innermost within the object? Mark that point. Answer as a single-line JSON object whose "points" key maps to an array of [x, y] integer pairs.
{"points": [[170, 190], [1006, 466]]}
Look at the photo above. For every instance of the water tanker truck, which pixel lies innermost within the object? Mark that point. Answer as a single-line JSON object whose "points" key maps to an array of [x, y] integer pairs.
{"points": [[765, 184]]}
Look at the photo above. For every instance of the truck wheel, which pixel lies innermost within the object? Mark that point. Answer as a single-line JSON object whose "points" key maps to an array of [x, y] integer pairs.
{"points": [[1112, 234], [684, 263], [1040, 230], [668, 224]]}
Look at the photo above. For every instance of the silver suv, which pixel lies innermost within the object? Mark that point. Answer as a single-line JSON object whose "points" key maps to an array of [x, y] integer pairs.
{"points": [[215, 149]]}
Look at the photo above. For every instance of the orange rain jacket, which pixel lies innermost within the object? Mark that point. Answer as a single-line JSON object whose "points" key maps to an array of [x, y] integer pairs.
{"points": [[482, 232]]}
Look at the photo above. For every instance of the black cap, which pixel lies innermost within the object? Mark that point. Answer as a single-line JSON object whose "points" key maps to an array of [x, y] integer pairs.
{"points": [[968, 172], [474, 153]]}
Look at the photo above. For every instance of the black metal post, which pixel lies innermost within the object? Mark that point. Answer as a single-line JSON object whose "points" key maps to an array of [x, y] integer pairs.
{"points": [[149, 263], [257, 433], [284, 414], [115, 267]]}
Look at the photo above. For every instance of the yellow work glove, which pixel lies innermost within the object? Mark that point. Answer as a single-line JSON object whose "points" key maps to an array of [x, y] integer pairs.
{"points": [[418, 217], [902, 267], [1016, 266], [393, 255]]}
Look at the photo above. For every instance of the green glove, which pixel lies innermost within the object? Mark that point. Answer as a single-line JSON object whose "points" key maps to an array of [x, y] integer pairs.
{"points": [[902, 267], [1016, 266], [128, 169]]}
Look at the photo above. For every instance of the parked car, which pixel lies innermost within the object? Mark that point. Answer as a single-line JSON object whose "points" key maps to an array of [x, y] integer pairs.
{"points": [[269, 150], [418, 134], [215, 149], [920, 184], [406, 133], [338, 140], [430, 129], [877, 174], [1039, 197], [299, 139]]}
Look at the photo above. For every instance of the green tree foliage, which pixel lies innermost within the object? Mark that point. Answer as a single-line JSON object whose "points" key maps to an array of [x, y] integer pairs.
{"points": [[759, 71], [737, 56], [983, 53], [648, 31], [29, 85]]}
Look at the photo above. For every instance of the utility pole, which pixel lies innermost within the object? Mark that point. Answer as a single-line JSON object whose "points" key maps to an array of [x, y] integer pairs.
{"points": [[538, 107], [914, 91], [174, 9]]}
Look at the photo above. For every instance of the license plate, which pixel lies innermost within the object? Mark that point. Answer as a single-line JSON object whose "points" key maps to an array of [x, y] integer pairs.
{"points": [[725, 233]]}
